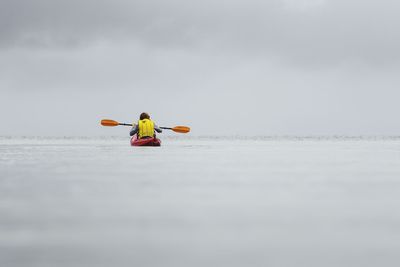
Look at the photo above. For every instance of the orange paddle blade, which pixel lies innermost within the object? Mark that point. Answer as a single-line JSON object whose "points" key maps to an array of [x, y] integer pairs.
{"points": [[109, 123], [181, 129]]}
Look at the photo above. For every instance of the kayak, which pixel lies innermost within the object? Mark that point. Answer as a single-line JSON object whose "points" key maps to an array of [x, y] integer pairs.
{"points": [[150, 141]]}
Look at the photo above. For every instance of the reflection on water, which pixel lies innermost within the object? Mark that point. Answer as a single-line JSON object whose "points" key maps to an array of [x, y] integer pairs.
{"points": [[236, 201]]}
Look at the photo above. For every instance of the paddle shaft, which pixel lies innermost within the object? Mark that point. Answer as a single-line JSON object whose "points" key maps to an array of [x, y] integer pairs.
{"points": [[128, 124]]}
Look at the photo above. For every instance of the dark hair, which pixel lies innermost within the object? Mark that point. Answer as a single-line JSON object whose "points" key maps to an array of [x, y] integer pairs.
{"points": [[144, 115]]}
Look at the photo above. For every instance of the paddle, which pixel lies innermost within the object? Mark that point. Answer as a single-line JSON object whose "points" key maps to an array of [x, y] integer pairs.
{"points": [[113, 123], [178, 129]]}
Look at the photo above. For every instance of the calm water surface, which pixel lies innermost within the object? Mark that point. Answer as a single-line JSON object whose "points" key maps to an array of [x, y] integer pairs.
{"points": [[200, 202]]}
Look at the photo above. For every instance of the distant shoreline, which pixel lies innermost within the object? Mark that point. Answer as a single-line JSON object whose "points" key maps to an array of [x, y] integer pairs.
{"points": [[219, 137]]}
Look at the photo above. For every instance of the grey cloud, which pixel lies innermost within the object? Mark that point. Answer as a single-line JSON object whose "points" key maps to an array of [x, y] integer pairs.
{"points": [[289, 66], [304, 31]]}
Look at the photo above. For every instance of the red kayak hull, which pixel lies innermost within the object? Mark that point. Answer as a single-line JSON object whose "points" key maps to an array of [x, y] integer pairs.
{"points": [[145, 141]]}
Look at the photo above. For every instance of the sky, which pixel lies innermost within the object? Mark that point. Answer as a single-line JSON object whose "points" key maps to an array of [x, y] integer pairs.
{"points": [[248, 67]]}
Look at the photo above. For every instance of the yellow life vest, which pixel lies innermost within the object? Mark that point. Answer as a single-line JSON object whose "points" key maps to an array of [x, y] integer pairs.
{"points": [[146, 128]]}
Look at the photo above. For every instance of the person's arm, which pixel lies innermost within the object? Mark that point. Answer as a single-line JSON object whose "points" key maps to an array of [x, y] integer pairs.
{"points": [[134, 130], [157, 129]]}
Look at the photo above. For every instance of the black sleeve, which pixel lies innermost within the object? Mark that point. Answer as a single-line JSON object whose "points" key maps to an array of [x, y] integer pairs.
{"points": [[157, 129], [134, 130]]}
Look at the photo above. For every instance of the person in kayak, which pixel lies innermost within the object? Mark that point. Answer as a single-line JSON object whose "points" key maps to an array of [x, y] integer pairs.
{"points": [[145, 127]]}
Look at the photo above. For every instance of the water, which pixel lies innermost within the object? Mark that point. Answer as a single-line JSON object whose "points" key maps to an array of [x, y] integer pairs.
{"points": [[200, 202]]}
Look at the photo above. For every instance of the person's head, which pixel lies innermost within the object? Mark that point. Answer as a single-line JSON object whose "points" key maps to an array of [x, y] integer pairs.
{"points": [[144, 115]]}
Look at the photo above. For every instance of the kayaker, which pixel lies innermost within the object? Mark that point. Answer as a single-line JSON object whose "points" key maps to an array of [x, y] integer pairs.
{"points": [[145, 127]]}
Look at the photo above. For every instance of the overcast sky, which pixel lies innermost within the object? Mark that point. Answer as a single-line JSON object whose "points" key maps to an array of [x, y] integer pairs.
{"points": [[279, 67]]}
